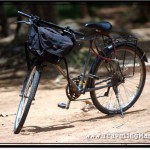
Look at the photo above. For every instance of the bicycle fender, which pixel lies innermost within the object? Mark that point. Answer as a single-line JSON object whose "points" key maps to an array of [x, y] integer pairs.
{"points": [[142, 53]]}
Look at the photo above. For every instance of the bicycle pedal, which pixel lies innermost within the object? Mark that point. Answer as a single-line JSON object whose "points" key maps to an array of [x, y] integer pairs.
{"points": [[62, 105]]}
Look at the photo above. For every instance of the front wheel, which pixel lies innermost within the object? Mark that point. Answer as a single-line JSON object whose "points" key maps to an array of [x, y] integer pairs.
{"points": [[27, 95], [132, 68]]}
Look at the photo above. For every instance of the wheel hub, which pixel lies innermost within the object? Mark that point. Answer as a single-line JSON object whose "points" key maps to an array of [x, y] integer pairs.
{"points": [[117, 79]]}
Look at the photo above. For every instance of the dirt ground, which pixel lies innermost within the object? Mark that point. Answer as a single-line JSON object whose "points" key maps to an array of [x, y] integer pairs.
{"points": [[48, 124]]}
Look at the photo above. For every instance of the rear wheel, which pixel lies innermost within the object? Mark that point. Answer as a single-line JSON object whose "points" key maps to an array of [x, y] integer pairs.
{"points": [[27, 95], [133, 70]]}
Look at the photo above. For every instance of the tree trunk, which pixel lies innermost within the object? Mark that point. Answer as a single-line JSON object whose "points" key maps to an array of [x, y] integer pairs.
{"points": [[83, 9], [46, 10], [3, 21], [140, 12]]}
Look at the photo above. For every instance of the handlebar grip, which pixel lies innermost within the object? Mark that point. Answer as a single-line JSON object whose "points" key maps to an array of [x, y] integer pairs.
{"points": [[23, 14]]}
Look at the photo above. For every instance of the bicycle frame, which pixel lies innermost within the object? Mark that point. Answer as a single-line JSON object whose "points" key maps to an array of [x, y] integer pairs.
{"points": [[80, 89], [77, 90]]}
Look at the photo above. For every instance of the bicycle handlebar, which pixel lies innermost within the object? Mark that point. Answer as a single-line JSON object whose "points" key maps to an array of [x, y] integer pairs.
{"points": [[49, 23], [23, 14]]}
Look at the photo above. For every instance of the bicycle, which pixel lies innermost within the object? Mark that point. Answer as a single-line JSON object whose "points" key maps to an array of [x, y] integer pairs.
{"points": [[115, 80]]}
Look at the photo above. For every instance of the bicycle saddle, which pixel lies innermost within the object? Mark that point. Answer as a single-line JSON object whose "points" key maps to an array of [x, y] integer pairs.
{"points": [[103, 25]]}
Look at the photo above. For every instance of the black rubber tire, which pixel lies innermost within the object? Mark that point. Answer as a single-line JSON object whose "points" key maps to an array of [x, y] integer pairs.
{"points": [[94, 70], [34, 85]]}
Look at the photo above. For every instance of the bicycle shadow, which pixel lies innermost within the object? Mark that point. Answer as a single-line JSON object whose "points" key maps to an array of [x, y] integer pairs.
{"points": [[61, 126], [38, 129]]}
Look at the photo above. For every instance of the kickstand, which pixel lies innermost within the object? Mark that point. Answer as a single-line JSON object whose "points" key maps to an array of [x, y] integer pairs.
{"points": [[107, 92], [116, 93]]}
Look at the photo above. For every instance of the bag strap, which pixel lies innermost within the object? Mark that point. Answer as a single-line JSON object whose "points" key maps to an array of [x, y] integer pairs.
{"points": [[41, 51], [66, 65]]}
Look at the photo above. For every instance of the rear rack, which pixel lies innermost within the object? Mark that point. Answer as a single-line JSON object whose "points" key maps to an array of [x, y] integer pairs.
{"points": [[126, 38], [101, 42]]}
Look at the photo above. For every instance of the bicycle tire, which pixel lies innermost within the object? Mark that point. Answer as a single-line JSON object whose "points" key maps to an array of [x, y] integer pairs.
{"points": [[31, 80], [94, 70]]}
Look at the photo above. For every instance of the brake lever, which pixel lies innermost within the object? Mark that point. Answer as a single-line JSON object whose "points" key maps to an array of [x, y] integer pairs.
{"points": [[26, 22]]}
